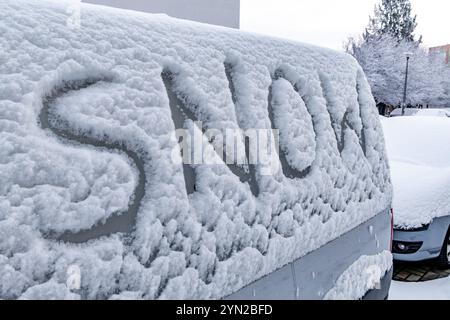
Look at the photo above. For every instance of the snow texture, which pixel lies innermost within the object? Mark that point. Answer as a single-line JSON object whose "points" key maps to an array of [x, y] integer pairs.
{"points": [[427, 290], [297, 138], [363, 275], [101, 82], [419, 155]]}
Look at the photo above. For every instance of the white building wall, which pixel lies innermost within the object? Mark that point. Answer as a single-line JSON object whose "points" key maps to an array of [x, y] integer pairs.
{"points": [[220, 12]]}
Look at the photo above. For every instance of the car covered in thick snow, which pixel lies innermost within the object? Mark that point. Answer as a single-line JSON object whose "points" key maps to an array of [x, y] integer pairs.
{"points": [[419, 155], [102, 195]]}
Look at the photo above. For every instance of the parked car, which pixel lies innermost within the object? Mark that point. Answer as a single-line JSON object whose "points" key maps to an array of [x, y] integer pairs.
{"points": [[103, 196], [419, 154]]}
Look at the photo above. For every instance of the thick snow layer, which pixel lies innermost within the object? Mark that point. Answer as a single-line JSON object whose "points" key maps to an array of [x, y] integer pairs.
{"points": [[419, 155], [50, 290], [421, 193], [297, 138], [418, 140], [87, 135], [363, 275]]}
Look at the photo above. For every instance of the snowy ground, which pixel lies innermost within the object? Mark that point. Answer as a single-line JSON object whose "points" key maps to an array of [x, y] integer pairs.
{"points": [[429, 290]]}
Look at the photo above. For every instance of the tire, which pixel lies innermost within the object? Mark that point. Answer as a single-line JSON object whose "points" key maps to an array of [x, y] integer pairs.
{"points": [[443, 261]]}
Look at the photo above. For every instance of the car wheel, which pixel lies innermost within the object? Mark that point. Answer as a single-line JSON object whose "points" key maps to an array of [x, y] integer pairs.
{"points": [[444, 258]]}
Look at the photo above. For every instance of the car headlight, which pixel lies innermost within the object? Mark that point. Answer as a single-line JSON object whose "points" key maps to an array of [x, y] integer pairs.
{"points": [[403, 247]]}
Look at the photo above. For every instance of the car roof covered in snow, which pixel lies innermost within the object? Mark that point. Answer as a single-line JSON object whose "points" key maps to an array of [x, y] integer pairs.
{"points": [[87, 133]]}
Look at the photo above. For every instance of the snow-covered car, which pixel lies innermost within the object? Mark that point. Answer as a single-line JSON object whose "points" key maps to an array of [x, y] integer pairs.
{"points": [[102, 198], [419, 155]]}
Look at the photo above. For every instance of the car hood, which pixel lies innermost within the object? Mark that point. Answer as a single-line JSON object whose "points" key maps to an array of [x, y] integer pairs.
{"points": [[421, 193]]}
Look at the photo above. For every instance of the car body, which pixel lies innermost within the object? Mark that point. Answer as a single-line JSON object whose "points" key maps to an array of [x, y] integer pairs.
{"points": [[317, 272], [102, 198], [423, 243]]}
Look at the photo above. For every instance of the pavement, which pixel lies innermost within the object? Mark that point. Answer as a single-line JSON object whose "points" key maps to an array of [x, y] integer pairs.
{"points": [[418, 272]]}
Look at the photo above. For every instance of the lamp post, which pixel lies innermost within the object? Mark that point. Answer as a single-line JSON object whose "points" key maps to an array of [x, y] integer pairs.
{"points": [[408, 56]]}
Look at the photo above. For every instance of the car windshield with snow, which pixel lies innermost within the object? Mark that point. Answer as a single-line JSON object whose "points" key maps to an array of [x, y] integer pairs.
{"points": [[147, 157], [420, 170]]}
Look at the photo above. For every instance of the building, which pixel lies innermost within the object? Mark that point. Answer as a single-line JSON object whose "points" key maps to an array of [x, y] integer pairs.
{"points": [[442, 50], [219, 12]]}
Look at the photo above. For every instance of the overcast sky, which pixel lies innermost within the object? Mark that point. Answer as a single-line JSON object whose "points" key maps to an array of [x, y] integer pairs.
{"points": [[329, 22]]}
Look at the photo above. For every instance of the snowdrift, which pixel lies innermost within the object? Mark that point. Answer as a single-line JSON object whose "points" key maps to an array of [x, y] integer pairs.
{"points": [[87, 135]]}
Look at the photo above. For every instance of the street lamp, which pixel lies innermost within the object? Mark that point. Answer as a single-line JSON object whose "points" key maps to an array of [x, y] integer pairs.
{"points": [[408, 56]]}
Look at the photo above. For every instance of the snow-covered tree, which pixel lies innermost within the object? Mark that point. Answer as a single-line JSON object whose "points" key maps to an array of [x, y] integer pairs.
{"points": [[394, 18], [383, 60], [381, 53]]}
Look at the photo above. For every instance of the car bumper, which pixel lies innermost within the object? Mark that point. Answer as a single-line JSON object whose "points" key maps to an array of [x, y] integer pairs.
{"points": [[431, 241], [383, 292]]}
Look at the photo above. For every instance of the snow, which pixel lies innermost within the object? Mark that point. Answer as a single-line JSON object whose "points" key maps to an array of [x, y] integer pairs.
{"points": [[297, 136], [434, 113], [419, 156], [50, 290], [422, 193], [428, 290], [418, 140], [437, 112], [383, 61], [363, 275], [207, 244]]}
